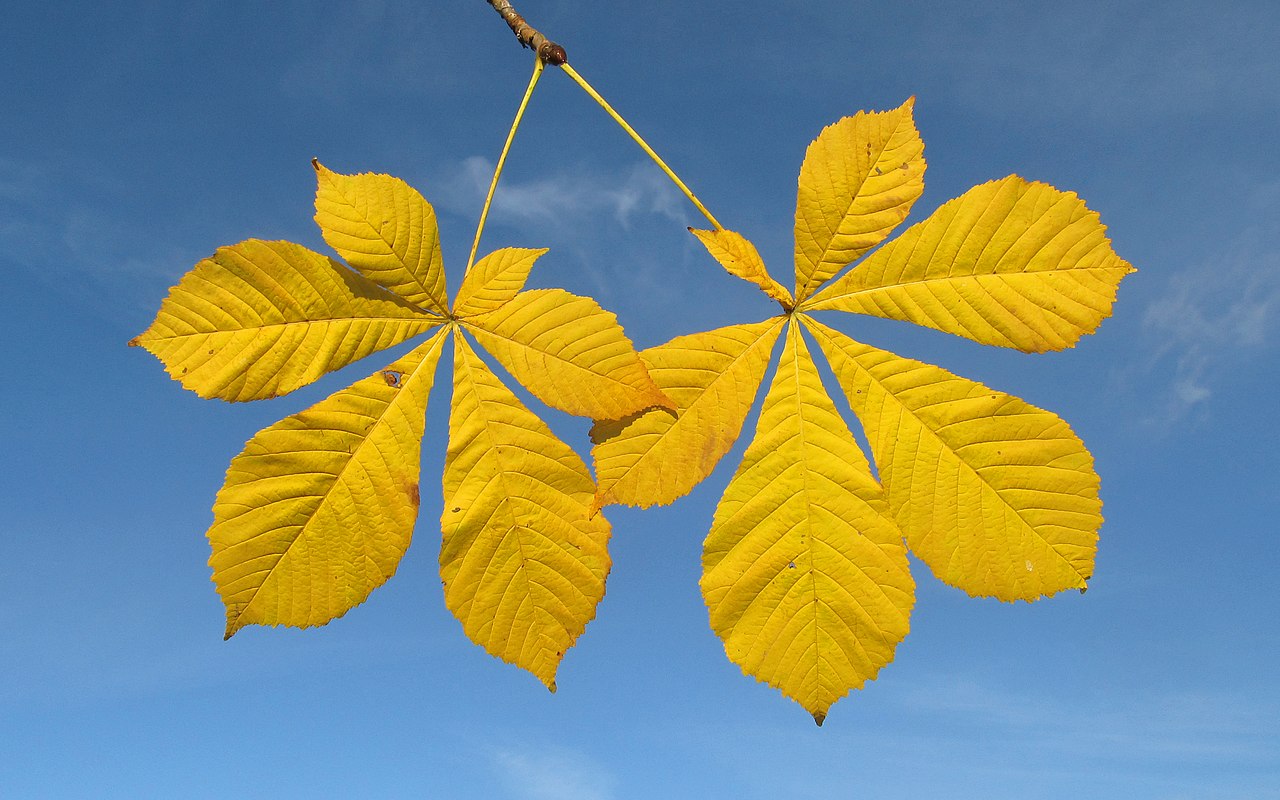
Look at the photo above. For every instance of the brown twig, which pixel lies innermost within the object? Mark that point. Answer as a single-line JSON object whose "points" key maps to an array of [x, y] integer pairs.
{"points": [[529, 36]]}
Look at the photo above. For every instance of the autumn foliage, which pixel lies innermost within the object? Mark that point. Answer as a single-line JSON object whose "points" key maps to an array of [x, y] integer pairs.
{"points": [[805, 570]]}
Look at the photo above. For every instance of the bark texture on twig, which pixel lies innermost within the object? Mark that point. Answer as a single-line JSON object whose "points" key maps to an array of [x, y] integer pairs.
{"points": [[529, 36]]}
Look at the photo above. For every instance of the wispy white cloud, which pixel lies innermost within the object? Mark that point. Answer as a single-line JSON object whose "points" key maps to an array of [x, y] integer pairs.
{"points": [[624, 196], [1217, 315], [558, 774]]}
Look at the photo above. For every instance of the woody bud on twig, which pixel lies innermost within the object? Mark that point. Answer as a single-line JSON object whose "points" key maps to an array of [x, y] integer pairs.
{"points": [[529, 36]]}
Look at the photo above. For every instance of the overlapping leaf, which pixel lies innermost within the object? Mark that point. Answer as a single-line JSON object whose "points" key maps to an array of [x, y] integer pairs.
{"points": [[319, 508], [569, 352], [713, 378], [804, 574], [523, 560]]}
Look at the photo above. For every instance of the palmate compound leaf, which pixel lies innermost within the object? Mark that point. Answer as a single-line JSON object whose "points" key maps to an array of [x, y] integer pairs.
{"points": [[318, 508], [804, 573], [983, 458], [260, 319], [387, 231], [998, 497], [859, 179], [1010, 263], [524, 559], [713, 378], [570, 353]]}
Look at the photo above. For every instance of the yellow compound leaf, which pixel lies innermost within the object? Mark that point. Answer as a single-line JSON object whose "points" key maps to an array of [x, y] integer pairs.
{"points": [[1010, 263], [494, 280], [386, 230], [739, 256], [713, 377], [318, 508], [570, 353], [804, 574], [858, 181], [523, 560], [997, 496], [260, 319]]}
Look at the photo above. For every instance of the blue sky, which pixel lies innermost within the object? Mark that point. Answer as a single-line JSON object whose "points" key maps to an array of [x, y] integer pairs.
{"points": [[137, 138]]}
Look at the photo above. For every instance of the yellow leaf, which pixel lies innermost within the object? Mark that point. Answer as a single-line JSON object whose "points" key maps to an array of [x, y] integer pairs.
{"points": [[739, 256], [318, 509], [523, 561], [804, 574], [260, 319], [997, 496], [858, 181], [494, 280], [386, 230], [570, 353], [1009, 263], [713, 378]]}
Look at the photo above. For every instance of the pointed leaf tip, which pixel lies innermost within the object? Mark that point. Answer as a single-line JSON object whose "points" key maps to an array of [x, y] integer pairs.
{"points": [[819, 717]]}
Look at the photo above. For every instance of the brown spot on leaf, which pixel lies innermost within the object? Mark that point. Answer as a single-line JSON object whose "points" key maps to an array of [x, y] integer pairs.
{"points": [[414, 496], [393, 378]]}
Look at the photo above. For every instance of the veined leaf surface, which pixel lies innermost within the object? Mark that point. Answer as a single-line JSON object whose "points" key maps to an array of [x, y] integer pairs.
{"points": [[494, 280], [997, 496], [318, 508], [859, 179], [713, 378], [740, 257], [387, 231], [260, 319], [804, 573], [1010, 263], [570, 353], [523, 560]]}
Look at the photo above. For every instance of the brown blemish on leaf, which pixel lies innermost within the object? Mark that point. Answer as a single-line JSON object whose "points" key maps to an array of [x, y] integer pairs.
{"points": [[415, 496]]}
